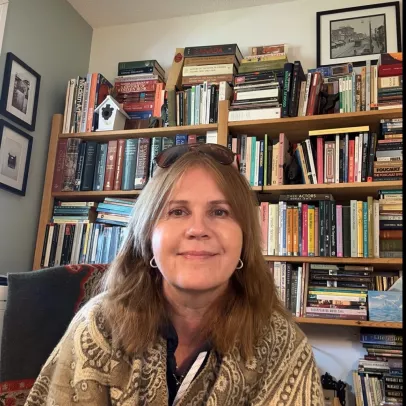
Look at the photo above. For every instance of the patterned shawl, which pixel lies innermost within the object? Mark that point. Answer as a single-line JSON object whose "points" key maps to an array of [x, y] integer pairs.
{"points": [[85, 369]]}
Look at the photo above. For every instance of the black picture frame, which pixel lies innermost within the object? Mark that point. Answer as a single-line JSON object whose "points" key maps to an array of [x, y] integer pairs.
{"points": [[11, 175], [20, 103], [358, 59]]}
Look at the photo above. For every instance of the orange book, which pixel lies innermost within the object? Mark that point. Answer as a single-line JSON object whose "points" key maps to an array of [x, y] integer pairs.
{"points": [[118, 172], [92, 100], [390, 234], [289, 230], [159, 99], [295, 231]]}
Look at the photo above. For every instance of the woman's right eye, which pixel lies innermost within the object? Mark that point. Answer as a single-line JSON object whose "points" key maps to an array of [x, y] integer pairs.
{"points": [[177, 212]]}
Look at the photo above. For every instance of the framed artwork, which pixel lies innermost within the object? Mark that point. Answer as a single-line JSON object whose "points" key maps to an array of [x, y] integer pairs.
{"points": [[357, 34], [15, 154], [19, 96]]}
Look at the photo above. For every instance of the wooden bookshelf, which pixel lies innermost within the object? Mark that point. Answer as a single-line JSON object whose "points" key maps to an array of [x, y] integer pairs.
{"points": [[355, 323], [377, 263], [94, 195]]}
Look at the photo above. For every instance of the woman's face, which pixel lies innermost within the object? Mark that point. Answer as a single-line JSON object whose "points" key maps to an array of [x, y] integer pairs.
{"points": [[197, 242]]}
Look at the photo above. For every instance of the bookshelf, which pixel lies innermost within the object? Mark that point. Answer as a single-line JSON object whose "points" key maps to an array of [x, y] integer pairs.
{"points": [[296, 128]]}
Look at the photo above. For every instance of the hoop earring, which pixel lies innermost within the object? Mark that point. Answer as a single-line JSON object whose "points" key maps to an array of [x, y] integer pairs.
{"points": [[152, 263], [240, 264]]}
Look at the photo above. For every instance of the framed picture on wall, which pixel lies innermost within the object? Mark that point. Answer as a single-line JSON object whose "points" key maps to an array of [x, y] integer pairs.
{"points": [[15, 155], [19, 96], [357, 34]]}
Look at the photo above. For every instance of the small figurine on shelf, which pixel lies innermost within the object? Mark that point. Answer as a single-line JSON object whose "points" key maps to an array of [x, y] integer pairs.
{"points": [[333, 390], [111, 115]]}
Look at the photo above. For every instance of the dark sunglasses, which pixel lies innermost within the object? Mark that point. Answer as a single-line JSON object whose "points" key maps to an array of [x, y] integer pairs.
{"points": [[221, 154]]}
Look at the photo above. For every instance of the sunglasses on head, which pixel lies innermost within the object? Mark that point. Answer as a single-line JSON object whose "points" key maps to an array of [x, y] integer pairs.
{"points": [[221, 154]]}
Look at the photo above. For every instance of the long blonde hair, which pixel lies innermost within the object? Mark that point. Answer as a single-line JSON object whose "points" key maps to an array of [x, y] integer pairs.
{"points": [[134, 303]]}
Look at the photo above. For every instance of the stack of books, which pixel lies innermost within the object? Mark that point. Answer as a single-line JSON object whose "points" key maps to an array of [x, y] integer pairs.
{"points": [[115, 211], [207, 77], [316, 225], [390, 80], [391, 223], [338, 292], [63, 241], [389, 151], [83, 95], [139, 87], [379, 378], [258, 85]]}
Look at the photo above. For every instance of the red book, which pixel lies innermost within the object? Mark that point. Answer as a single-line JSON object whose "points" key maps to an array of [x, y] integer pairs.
{"points": [[159, 100], [138, 106], [118, 172], [92, 98], [390, 234], [136, 86], [390, 70], [110, 165], [264, 208], [314, 94], [191, 139], [351, 158], [320, 159], [305, 230], [59, 165]]}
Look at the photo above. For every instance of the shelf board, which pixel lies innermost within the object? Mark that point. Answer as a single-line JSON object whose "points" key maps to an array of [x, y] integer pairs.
{"points": [[339, 190], [297, 128], [142, 132], [377, 263], [94, 195], [355, 323]]}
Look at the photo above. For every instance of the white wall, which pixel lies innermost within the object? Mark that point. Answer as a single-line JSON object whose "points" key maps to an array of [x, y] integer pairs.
{"points": [[51, 37], [337, 349]]}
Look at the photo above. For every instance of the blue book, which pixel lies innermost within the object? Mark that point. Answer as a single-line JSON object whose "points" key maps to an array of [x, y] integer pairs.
{"points": [[100, 245], [261, 163], [100, 167], [140, 115], [107, 242], [385, 306], [129, 164], [253, 162], [114, 208], [180, 139], [365, 227], [113, 244]]}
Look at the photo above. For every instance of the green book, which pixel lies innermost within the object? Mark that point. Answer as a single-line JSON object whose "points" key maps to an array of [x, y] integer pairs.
{"points": [[365, 227], [253, 163]]}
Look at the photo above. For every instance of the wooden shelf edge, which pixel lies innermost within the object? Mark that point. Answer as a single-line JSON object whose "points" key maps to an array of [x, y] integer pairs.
{"points": [[95, 194], [144, 132], [336, 260], [355, 323], [320, 117]]}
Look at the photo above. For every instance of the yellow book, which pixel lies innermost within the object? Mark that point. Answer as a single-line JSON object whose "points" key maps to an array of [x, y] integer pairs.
{"points": [[289, 230], [310, 215], [360, 229], [329, 131]]}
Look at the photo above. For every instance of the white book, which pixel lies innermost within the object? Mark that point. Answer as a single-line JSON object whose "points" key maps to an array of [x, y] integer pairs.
{"points": [[276, 225], [388, 158], [354, 228], [356, 150], [177, 109], [337, 160], [299, 290], [306, 96], [254, 114], [234, 143], [248, 162], [197, 104], [256, 94], [256, 175], [59, 244], [65, 112], [94, 246], [207, 70], [280, 227], [191, 114], [75, 244], [277, 277], [204, 104], [85, 105], [271, 231], [208, 98], [341, 90], [90, 238], [360, 146], [211, 137], [375, 214], [311, 160], [225, 91], [349, 80], [49, 243]]}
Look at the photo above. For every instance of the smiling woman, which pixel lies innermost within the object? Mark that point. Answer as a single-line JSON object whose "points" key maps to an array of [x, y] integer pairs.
{"points": [[189, 312]]}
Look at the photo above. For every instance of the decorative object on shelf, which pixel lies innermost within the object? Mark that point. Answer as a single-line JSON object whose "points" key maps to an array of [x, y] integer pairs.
{"points": [[333, 390], [385, 306], [328, 102], [357, 34], [15, 154], [19, 97], [111, 115]]}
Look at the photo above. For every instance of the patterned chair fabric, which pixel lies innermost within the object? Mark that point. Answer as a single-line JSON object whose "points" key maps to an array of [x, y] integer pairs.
{"points": [[40, 306]]}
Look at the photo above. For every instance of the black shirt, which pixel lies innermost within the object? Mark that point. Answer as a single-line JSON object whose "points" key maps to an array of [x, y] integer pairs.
{"points": [[174, 376]]}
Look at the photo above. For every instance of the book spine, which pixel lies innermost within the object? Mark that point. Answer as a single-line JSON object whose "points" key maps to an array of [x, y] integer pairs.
{"points": [[143, 155], [306, 97], [351, 157], [110, 165], [316, 232], [333, 235], [71, 160], [300, 226], [327, 228], [118, 171], [320, 159], [322, 214], [305, 230], [89, 166], [354, 229], [375, 210], [59, 165], [360, 232], [339, 214], [100, 170], [365, 229]]}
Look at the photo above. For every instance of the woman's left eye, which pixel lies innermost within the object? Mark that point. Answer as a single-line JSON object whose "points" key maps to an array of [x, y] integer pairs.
{"points": [[220, 212]]}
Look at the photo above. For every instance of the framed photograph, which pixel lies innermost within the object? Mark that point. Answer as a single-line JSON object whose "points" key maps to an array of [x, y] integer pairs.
{"points": [[19, 96], [357, 34], [15, 154]]}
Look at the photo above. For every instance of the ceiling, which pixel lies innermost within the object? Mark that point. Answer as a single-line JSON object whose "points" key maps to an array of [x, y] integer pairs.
{"points": [[101, 13]]}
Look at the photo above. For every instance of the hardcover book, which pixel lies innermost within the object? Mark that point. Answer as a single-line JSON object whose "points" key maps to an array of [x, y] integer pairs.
{"points": [[385, 306]]}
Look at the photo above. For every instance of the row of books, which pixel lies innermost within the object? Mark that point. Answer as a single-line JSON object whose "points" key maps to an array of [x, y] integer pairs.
{"points": [[140, 88], [316, 225], [83, 95], [390, 81], [124, 164], [85, 232], [329, 291], [379, 377]]}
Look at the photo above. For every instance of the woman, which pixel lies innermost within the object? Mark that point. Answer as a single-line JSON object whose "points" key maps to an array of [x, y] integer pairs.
{"points": [[189, 313]]}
